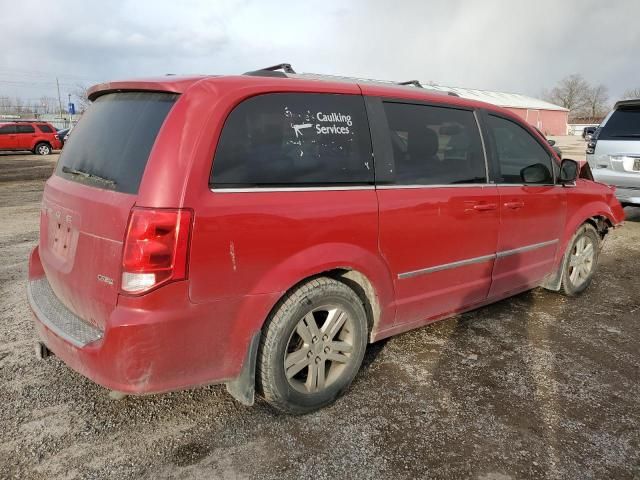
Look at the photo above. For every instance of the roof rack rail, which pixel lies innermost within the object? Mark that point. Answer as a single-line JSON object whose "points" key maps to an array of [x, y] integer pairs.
{"points": [[452, 94], [279, 70], [285, 67], [415, 83]]}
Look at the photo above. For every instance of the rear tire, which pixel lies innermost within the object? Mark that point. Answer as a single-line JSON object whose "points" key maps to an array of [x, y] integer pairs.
{"points": [[312, 346], [580, 260], [42, 148]]}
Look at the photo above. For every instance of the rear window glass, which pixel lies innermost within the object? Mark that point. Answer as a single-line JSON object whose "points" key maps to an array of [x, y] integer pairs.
{"points": [[623, 124], [25, 129], [45, 128], [110, 146], [295, 139]]}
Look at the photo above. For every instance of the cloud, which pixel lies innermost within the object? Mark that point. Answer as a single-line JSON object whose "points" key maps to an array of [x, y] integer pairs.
{"points": [[494, 44]]}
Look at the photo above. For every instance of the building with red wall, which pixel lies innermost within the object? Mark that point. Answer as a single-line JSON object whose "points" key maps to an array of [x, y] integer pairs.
{"points": [[549, 118]]}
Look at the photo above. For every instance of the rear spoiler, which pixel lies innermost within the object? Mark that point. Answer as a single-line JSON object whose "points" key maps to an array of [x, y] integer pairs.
{"points": [[168, 84]]}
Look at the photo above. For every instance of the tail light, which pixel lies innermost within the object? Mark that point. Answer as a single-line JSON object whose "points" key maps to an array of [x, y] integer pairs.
{"points": [[155, 249]]}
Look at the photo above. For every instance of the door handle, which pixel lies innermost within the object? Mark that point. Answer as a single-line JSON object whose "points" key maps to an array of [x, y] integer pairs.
{"points": [[484, 207], [514, 205]]}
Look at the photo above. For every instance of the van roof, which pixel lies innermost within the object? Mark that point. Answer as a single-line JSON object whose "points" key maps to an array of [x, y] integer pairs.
{"points": [[180, 84]]}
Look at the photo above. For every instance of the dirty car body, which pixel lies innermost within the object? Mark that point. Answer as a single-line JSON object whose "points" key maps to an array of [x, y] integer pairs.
{"points": [[157, 271]]}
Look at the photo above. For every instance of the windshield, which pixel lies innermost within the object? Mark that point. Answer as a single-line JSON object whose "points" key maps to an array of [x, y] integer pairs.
{"points": [[110, 146]]}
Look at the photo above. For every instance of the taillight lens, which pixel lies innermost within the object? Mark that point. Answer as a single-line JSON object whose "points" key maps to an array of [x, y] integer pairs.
{"points": [[156, 248]]}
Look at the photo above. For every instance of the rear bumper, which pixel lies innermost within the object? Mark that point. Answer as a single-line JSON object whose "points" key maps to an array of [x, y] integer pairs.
{"points": [[154, 343], [627, 184]]}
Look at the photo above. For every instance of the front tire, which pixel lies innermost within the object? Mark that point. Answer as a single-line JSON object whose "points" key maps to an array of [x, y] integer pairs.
{"points": [[312, 346], [42, 149], [580, 260]]}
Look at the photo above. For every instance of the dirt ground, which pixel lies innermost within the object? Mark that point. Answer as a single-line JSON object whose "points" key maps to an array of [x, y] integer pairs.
{"points": [[536, 386]]}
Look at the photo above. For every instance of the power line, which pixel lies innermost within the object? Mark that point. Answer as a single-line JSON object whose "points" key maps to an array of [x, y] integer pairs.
{"points": [[23, 72]]}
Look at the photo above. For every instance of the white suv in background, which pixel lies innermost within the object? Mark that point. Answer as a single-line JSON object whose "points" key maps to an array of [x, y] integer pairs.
{"points": [[614, 151]]}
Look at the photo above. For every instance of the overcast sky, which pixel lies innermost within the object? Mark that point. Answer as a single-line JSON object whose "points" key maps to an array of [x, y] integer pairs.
{"points": [[514, 46]]}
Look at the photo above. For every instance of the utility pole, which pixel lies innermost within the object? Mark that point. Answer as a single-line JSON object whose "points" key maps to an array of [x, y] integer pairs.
{"points": [[69, 106], [59, 99]]}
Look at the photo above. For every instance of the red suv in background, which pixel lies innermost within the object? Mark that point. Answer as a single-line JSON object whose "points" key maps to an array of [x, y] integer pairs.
{"points": [[260, 230], [38, 137]]}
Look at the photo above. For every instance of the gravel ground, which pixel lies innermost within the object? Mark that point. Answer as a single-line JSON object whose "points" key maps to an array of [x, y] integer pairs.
{"points": [[536, 386]]}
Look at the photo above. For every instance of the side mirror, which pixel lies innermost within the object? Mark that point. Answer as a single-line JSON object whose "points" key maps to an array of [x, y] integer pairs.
{"points": [[551, 142], [569, 170], [536, 173]]}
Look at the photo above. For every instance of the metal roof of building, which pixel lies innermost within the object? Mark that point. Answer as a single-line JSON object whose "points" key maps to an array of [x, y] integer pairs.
{"points": [[502, 99]]}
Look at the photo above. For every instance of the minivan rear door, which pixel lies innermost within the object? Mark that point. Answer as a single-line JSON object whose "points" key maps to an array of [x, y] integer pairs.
{"points": [[86, 203], [438, 213]]}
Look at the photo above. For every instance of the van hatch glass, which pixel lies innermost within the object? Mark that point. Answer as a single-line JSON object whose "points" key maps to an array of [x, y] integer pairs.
{"points": [[110, 145], [624, 123]]}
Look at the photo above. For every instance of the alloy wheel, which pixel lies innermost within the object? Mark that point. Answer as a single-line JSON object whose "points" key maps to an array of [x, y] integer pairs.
{"points": [[581, 261], [319, 349]]}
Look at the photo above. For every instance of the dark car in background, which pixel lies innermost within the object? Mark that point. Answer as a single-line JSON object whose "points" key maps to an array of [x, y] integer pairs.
{"points": [[587, 132], [63, 134]]}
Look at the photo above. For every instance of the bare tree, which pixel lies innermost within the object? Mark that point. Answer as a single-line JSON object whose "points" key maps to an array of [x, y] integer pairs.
{"points": [[18, 105], [6, 105], [571, 93], [597, 103], [48, 104], [632, 93], [80, 92]]}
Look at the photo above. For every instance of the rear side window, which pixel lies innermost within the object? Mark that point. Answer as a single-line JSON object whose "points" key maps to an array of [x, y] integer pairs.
{"points": [[517, 149], [624, 124], [434, 145], [25, 129], [7, 129], [45, 128], [110, 146], [294, 139]]}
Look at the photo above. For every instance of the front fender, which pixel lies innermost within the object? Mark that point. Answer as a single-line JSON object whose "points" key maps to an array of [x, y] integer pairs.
{"points": [[583, 206]]}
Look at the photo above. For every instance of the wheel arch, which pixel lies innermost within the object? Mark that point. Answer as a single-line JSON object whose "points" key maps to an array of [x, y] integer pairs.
{"points": [[369, 278], [601, 222]]}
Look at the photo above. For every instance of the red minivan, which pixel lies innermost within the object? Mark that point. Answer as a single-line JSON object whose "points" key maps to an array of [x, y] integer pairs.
{"points": [[38, 137], [259, 230]]}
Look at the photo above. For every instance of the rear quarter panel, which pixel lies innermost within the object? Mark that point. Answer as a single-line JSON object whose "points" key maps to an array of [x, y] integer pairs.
{"points": [[247, 244]]}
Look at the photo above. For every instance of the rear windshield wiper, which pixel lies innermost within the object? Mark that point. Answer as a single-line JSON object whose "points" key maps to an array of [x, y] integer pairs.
{"points": [[81, 173]]}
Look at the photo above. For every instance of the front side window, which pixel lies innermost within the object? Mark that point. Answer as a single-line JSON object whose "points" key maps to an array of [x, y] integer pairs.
{"points": [[434, 145], [7, 129], [294, 139], [25, 129], [521, 158]]}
